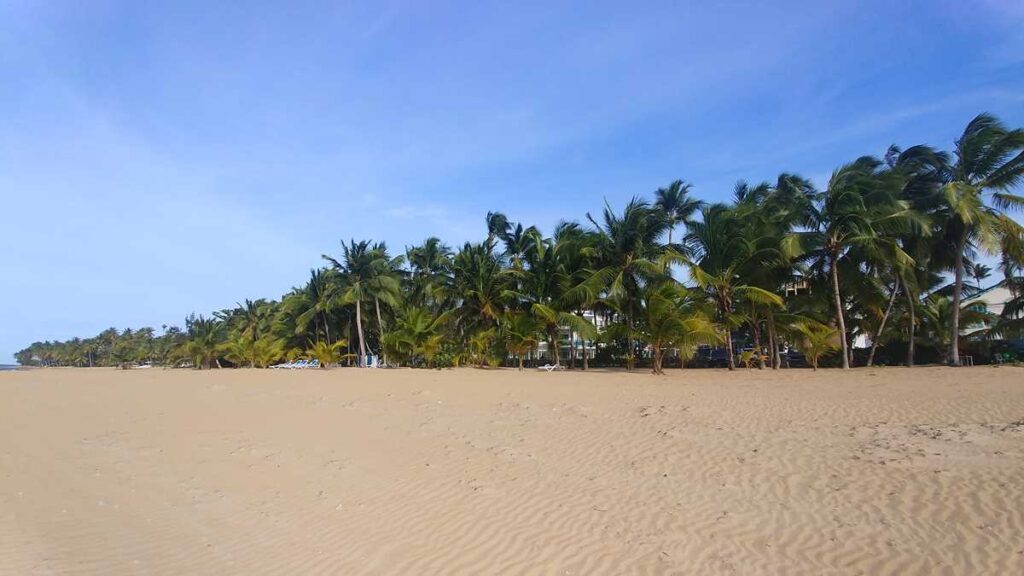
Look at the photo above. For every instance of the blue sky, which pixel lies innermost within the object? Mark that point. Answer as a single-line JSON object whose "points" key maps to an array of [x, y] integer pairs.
{"points": [[160, 159]]}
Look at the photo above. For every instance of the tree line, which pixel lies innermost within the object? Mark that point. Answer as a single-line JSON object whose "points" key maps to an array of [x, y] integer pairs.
{"points": [[888, 250]]}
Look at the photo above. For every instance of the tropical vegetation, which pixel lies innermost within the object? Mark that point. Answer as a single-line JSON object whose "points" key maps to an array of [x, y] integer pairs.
{"points": [[884, 255]]}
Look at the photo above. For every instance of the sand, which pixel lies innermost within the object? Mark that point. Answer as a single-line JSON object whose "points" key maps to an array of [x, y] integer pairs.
{"points": [[875, 471]]}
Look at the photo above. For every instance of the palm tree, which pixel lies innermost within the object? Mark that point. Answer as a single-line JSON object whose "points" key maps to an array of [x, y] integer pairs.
{"points": [[545, 289], [676, 205], [358, 270], [417, 333], [937, 318], [520, 332], [429, 276], [722, 249], [672, 318], [816, 340], [859, 209], [480, 284], [384, 284], [629, 255], [988, 162], [979, 272], [313, 303], [327, 354], [204, 340]]}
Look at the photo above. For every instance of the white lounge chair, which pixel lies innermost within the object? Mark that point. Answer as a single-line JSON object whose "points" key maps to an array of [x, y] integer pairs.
{"points": [[551, 367], [282, 365]]}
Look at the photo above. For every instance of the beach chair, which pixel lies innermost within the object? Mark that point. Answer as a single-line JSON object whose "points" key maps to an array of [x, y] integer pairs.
{"points": [[300, 364], [282, 365], [551, 367], [314, 364], [371, 361]]}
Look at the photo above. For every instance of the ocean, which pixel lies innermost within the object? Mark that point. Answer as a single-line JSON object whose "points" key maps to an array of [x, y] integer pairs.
{"points": [[9, 367]]}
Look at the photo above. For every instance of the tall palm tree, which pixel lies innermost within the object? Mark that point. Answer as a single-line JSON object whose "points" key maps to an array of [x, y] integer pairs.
{"points": [[629, 255], [480, 285], [358, 270], [676, 205], [545, 290], [723, 248], [988, 163], [384, 285], [429, 275], [859, 209]]}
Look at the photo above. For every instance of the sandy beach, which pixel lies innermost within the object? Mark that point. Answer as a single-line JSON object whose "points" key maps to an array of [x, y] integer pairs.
{"points": [[875, 471]]}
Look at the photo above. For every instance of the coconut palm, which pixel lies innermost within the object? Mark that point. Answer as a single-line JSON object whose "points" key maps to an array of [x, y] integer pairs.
{"points": [[988, 163], [723, 248], [816, 340], [629, 255], [859, 209], [204, 336], [429, 276], [359, 271], [480, 285], [417, 334], [521, 333], [673, 318], [327, 354], [937, 317], [676, 205]]}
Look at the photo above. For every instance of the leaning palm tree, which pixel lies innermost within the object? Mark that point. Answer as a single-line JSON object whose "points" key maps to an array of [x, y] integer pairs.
{"points": [[859, 209], [988, 163]]}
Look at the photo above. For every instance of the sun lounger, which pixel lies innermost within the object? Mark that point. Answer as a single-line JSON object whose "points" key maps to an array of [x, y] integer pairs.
{"points": [[314, 364], [551, 367], [300, 364], [282, 365]]}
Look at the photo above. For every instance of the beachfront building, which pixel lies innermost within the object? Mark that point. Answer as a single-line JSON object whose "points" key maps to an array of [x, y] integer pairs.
{"points": [[991, 300]]}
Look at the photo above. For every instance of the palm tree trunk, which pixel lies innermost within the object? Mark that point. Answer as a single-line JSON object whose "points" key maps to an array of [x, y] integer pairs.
{"points": [[839, 312], [629, 340], [881, 327], [520, 361], [728, 347], [958, 286], [359, 327], [773, 342], [723, 310], [586, 356], [380, 326], [911, 327], [755, 330], [656, 363]]}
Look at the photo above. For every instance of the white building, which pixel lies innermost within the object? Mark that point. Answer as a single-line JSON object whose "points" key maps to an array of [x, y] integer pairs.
{"points": [[991, 300]]}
